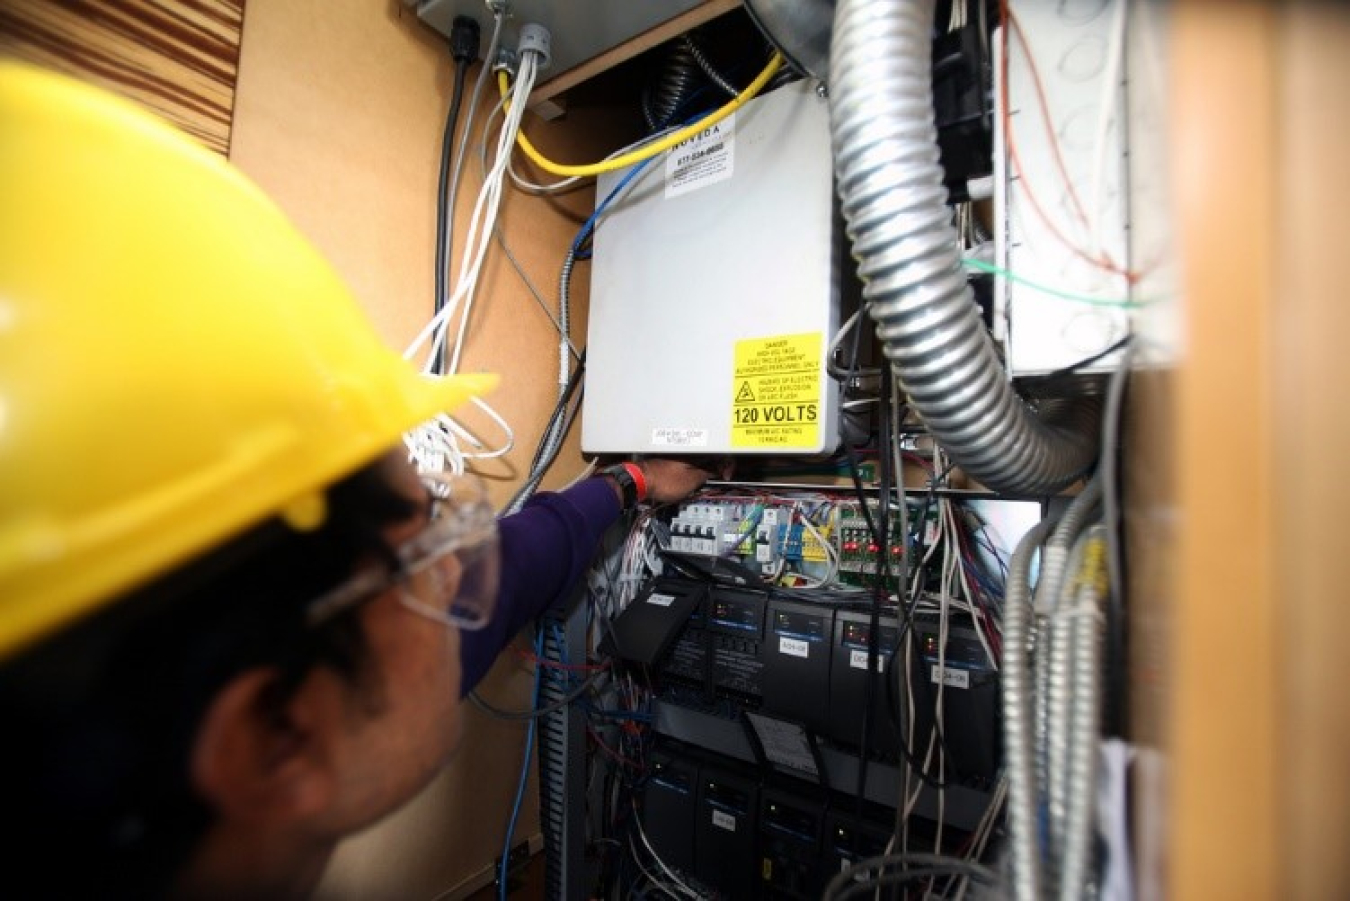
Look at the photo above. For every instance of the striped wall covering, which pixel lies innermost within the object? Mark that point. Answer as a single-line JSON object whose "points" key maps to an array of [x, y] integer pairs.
{"points": [[178, 57]]}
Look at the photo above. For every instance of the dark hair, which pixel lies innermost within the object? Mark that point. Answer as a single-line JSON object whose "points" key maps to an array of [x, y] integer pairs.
{"points": [[100, 720]]}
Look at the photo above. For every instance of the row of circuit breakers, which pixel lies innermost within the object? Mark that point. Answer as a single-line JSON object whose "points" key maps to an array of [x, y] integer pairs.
{"points": [[769, 536], [740, 649]]}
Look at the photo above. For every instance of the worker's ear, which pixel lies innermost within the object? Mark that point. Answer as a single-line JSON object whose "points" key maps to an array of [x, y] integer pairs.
{"points": [[261, 758]]}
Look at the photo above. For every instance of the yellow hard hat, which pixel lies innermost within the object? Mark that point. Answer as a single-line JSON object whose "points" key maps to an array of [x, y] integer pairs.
{"points": [[176, 362]]}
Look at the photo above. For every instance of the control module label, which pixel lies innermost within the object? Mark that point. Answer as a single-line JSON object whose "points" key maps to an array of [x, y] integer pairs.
{"points": [[776, 399], [707, 157]]}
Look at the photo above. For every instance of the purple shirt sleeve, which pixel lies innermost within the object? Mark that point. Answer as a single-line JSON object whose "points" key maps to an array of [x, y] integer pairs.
{"points": [[545, 549]]}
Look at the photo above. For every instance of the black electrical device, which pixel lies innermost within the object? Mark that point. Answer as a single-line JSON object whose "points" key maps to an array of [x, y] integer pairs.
{"points": [[849, 678], [669, 806], [971, 733], [687, 662], [648, 627], [848, 839], [796, 653], [735, 626], [725, 831], [790, 827]]}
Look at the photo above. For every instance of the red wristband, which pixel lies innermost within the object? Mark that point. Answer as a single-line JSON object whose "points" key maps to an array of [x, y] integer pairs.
{"points": [[639, 479]]}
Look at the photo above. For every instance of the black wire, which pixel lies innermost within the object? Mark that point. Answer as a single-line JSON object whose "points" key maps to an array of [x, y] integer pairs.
{"points": [[868, 692], [906, 610], [882, 536], [1116, 715], [527, 715], [1043, 382], [444, 220]]}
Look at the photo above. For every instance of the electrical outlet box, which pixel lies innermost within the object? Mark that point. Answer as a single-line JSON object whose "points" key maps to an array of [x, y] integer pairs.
{"points": [[1074, 114], [581, 29]]}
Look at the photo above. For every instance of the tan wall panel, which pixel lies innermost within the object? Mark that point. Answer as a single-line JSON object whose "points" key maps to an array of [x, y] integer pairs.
{"points": [[1221, 721], [1312, 436], [177, 58], [340, 110]]}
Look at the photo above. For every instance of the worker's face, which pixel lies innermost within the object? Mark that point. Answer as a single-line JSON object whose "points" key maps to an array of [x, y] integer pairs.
{"points": [[287, 784], [398, 743]]}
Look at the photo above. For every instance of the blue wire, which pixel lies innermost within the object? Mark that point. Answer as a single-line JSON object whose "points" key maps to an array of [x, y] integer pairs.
{"points": [[589, 225], [560, 642], [622, 715], [524, 774]]}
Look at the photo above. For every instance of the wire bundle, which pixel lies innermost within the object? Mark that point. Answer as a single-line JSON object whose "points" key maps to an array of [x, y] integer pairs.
{"points": [[436, 443]]}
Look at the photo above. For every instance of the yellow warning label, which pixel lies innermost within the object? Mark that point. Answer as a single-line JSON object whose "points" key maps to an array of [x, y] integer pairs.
{"points": [[776, 392]]}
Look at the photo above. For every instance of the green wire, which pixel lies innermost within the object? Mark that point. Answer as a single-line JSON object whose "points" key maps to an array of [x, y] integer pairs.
{"points": [[1055, 292]]}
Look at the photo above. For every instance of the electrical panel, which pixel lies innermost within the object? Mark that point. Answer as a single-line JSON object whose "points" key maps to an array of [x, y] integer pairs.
{"points": [[701, 339], [806, 662]]}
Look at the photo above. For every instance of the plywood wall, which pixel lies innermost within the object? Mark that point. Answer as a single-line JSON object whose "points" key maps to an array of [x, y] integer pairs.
{"points": [[339, 115], [1311, 435], [179, 59], [1223, 682], [1257, 722]]}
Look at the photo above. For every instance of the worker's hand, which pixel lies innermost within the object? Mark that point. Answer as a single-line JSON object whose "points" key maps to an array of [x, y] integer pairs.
{"points": [[670, 480]]}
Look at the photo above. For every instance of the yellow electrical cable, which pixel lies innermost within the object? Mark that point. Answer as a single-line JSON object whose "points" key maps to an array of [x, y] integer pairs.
{"points": [[643, 153]]}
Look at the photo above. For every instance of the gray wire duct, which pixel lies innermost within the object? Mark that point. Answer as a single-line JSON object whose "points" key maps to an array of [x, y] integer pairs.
{"points": [[890, 185], [1017, 717]]}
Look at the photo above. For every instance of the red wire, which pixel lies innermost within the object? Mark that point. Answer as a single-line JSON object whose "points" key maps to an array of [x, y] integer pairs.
{"points": [[1101, 262], [610, 752], [918, 460], [1050, 135], [554, 664], [967, 554]]}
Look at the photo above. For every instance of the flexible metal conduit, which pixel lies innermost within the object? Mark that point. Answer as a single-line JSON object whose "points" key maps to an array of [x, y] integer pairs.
{"points": [[1018, 741], [1074, 866], [894, 203], [1055, 592]]}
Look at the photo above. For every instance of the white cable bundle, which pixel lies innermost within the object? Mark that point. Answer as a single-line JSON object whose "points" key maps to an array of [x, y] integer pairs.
{"points": [[436, 444]]}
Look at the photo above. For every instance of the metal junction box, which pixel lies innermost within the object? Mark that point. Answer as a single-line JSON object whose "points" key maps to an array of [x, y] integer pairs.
{"points": [[715, 292]]}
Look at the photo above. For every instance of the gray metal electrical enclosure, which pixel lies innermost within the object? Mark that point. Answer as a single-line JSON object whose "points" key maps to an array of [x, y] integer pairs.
{"points": [[715, 292]]}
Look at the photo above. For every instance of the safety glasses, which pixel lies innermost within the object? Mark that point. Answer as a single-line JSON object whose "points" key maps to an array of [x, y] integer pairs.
{"points": [[448, 572]]}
